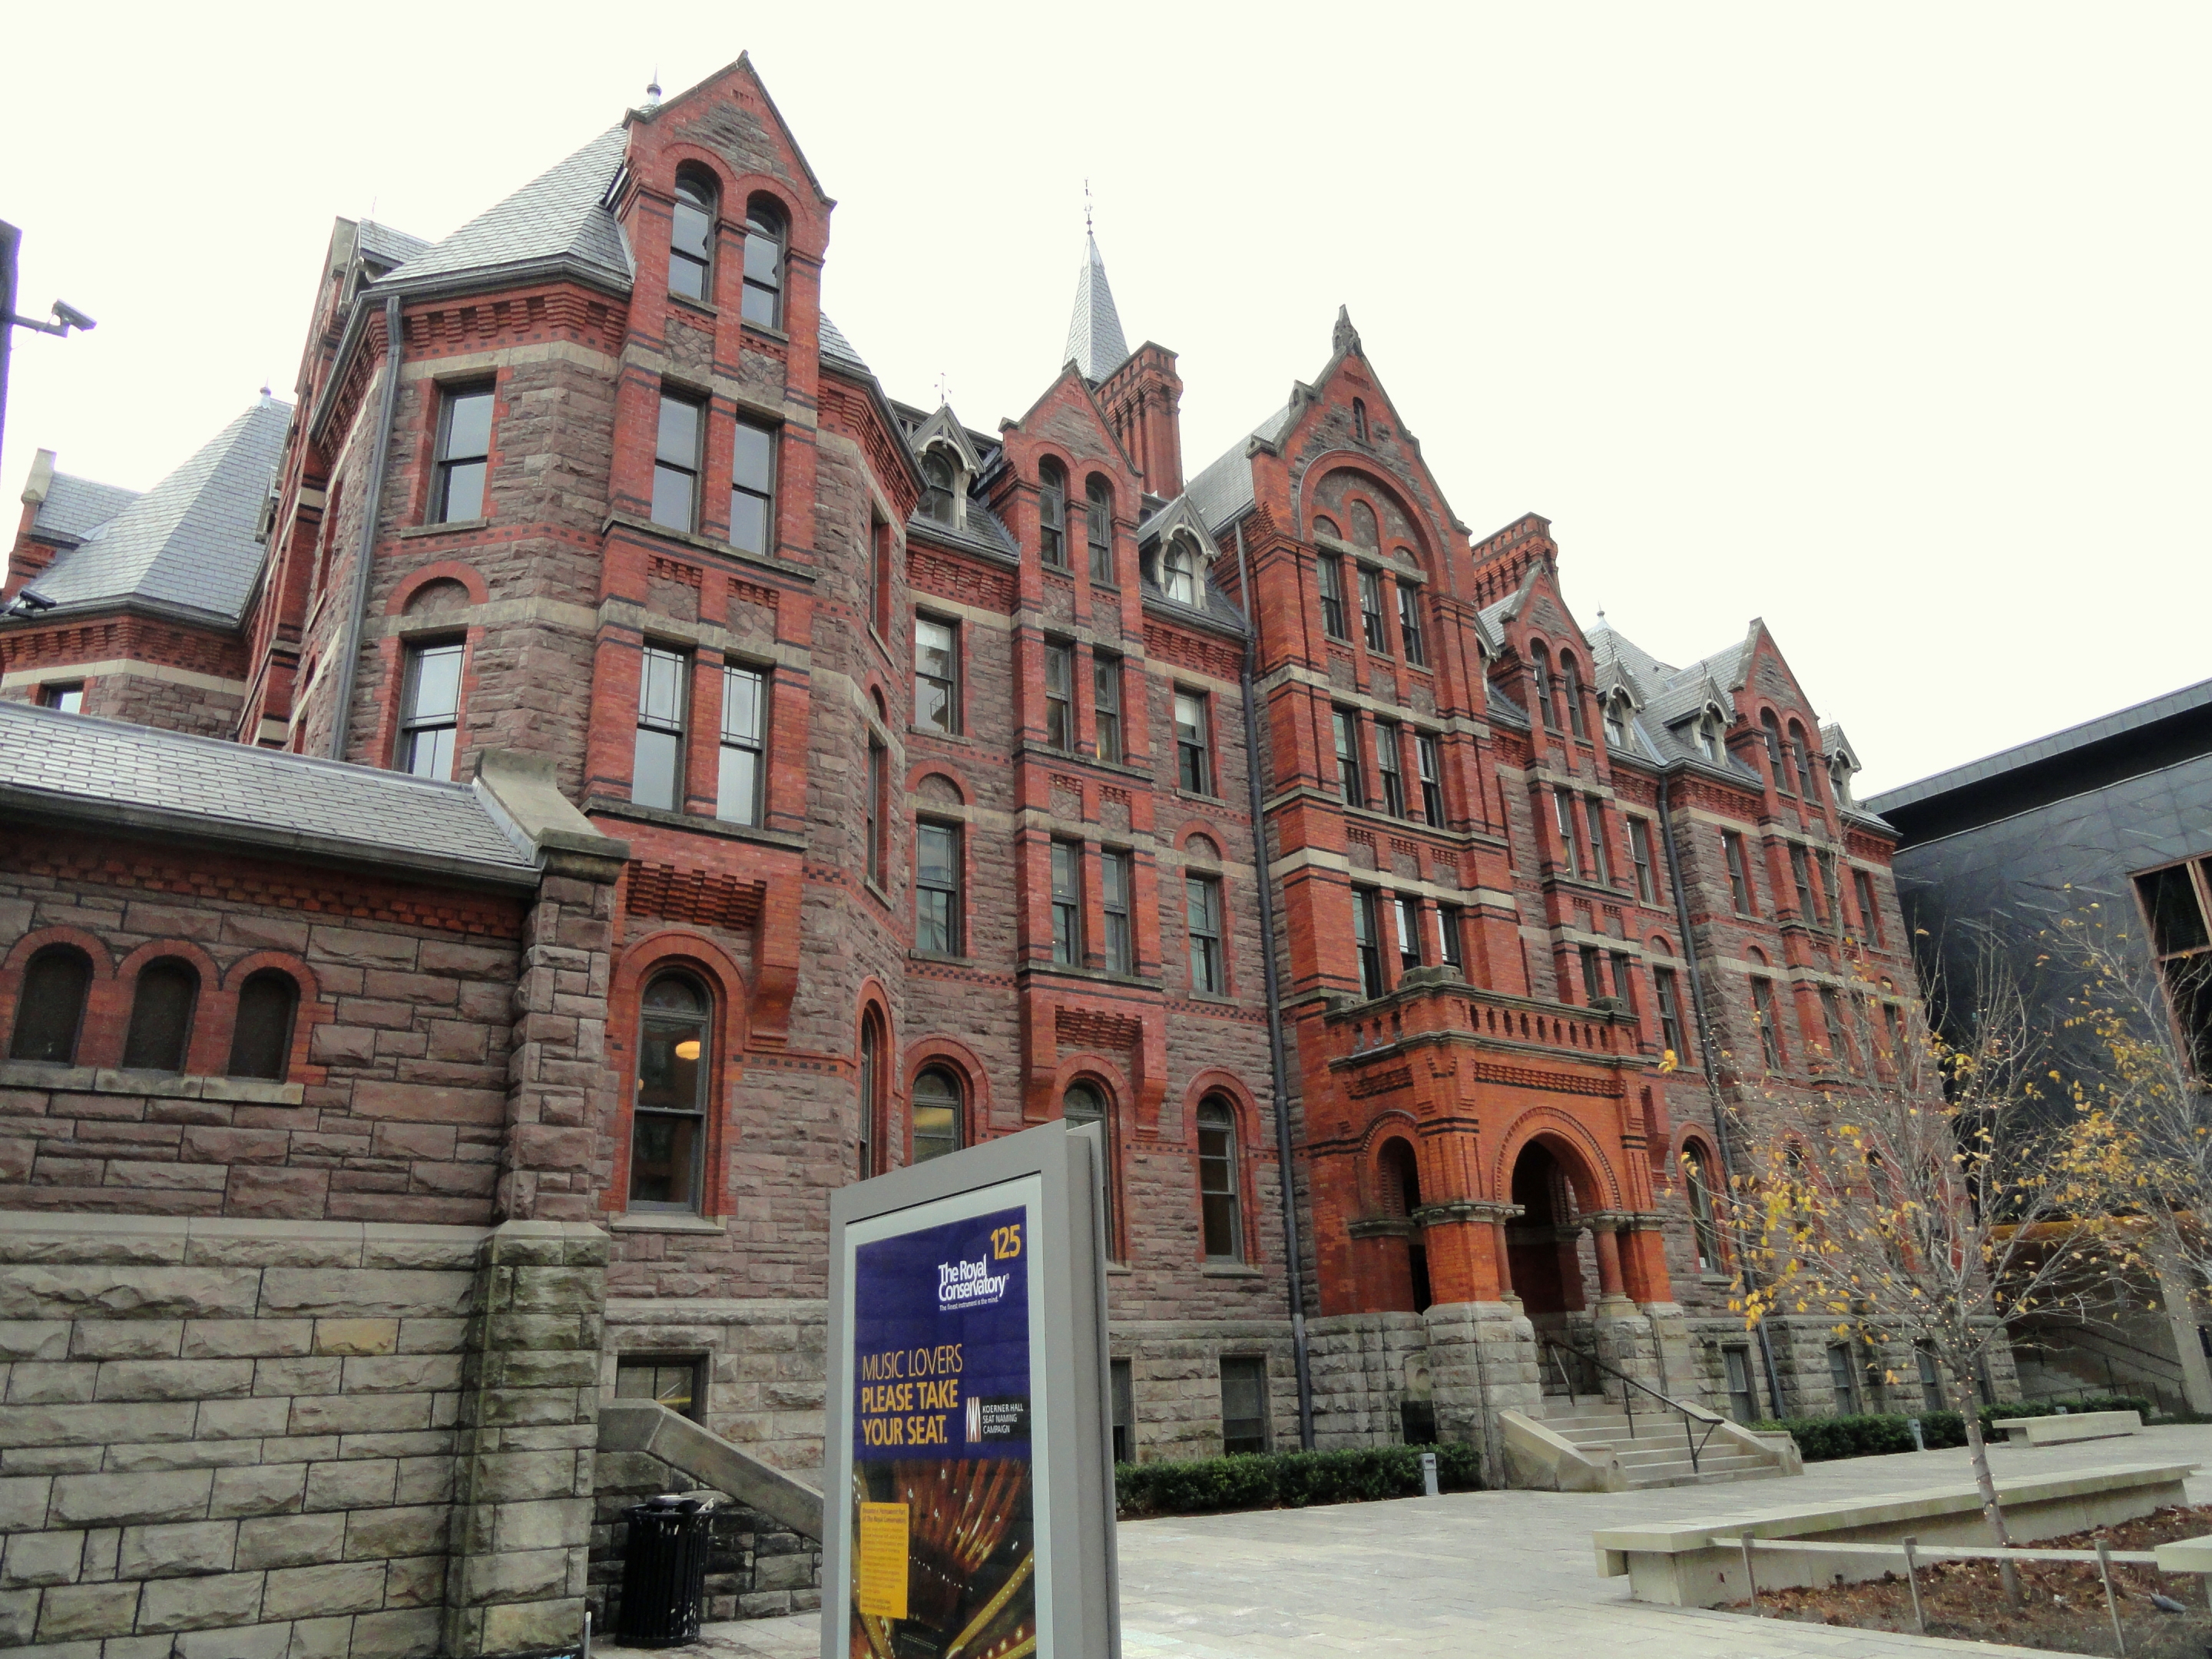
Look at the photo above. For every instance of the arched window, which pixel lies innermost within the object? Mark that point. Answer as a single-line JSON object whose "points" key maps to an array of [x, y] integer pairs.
{"points": [[936, 1114], [1805, 787], [1221, 1215], [1052, 513], [1697, 1175], [1778, 761], [764, 229], [50, 1013], [692, 237], [1083, 1103], [1179, 570], [1364, 532], [1709, 735], [937, 481], [1398, 1187], [1360, 419], [871, 1102], [261, 1041], [1098, 526], [1570, 687], [668, 1129], [1616, 720], [161, 1016], [1540, 672]]}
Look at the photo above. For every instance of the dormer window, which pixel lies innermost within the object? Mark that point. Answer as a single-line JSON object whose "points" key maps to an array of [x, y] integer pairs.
{"points": [[1616, 721], [1709, 735], [939, 492], [1052, 514], [1839, 774], [1179, 570], [764, 239], [691, 238]]}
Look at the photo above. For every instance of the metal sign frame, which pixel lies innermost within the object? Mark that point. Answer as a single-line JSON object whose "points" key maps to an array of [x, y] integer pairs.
{"points": [[1055, 1175]]}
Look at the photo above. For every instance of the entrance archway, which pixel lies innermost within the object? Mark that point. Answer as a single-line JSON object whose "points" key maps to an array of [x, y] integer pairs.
{"points": [[1553, 1270]]}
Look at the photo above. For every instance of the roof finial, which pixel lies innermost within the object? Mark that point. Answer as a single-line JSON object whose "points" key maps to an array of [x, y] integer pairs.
{"points": [[943, 390], [1087, 207], [652, 89]]}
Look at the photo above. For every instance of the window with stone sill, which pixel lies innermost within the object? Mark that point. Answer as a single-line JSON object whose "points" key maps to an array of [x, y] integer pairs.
{"points": [[1116, 883], [1328, 577], [1084, 1102], [162, 1002], [937, 902], [1221, 1219], [1052, 514], [1194, 741], [1243, 1404], [464, 454], [657, 764], [1428, 757], [1351, 775], [936, 1112], [691, 236], [1540, 677], [752, 487], [1106, 705], [765, 232], [1870, 908], [1059, 696], [1639, 854], [261, 1040], [1099, 529], [430, 709], [1409, 623], [1202, 920], [1370, 610], [676, 461], [668, 1128], [50, 1007], [1067, 903], [1570, 688]]}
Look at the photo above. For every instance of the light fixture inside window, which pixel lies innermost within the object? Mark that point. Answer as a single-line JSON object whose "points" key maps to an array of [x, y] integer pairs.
{"points": [[687, 1049]]}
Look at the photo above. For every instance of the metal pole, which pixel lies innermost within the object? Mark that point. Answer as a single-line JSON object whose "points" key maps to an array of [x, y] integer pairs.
{"points": [[2112, 1602], [1750, 1578], [1912, 1577]]}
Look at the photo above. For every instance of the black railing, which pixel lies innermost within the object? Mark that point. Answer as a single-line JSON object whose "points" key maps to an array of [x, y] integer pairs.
{"points": [[1560, 1353]]}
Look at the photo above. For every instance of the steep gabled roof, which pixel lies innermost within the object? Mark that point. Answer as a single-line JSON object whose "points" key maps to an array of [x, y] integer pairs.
{"points": [[1223, 491], [1095, 343], [387, 246], [74, 507], [188, 543], [836, 349], [557, 219]]}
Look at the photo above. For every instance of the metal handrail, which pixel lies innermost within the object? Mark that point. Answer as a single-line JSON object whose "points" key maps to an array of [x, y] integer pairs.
{"points": [[1690, 1413]]}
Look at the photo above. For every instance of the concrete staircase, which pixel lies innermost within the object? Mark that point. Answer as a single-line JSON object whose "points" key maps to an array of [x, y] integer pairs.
{"points": [[1656, 1453]]}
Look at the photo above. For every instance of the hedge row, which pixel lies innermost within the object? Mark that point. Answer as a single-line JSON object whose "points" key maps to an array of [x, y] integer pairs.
{"points": [[1823, 1438], [1262, 1480]]}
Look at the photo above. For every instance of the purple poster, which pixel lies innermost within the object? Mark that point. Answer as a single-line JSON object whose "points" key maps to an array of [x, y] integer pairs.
{"points": [[943, 1536]]}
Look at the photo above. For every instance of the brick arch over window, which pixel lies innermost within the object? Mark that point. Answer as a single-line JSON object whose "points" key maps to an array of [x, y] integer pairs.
{"points": [[957, 1057], [309, 1012], [923, 772], [642, 960], [1400, 519], [1375, 1192], [873, 1005], [98, 992], [1596, 1184], [1114, 1096], [1199, 839], [207, 1049], [443, 570]]}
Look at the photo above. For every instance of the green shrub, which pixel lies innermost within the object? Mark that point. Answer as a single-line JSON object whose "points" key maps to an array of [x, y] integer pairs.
{"points": [[1257, 1480], [1821, 1439]]}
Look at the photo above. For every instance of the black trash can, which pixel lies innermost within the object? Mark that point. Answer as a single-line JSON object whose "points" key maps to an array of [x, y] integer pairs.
{"points": [[664, 1571]]}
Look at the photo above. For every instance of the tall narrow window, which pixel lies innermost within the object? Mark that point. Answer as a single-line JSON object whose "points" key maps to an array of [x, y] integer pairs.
{"points": [[1739, 871], [1639, 852], [764, 236], [1704, 1229], [1601, 865], [49, 1009], [936, 1113], [1052, 514], [1099, 529], [1563, 813], [869, 1105], [1370, 610], [1431, 762], [1243, 1405], [1451, 942], [464, 454], [430, 710], [1124, 1411], [1115, 883], [1409, 623], [1193, 753], [1778, 760], [1664, 993], [1743, 1396], [1350, 776], [1801, 872], [1803, 747], [692, 238], [1830, 893], [668, 1128], [261, 1040], [937, 908], [937, 485], [1366, 938], [1892, 1023], [1770, 1025], [676, 463], [1616, 721], [1570, 688], [1220, 1214], [1844, 1378], [1067, 903], [1202, 917], [1360, 420], [936, 674], [1870, 907], [1406, 913], [1106, 705], [1059, 696], [752, 488], [1540, 675], [1931, 1380], [657, 768], [1708, 736], [875, 827], [1840, 1049], [1388, 768], [1328, 576], [745, 741], [880, 550], [1179, 571], [1082, 1104], [1593, 973], [1623, 982]]}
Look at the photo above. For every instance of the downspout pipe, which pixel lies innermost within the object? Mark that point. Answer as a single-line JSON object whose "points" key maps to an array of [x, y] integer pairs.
{"points": [[357, 606], [1729, 1166], [1284, 1153]]}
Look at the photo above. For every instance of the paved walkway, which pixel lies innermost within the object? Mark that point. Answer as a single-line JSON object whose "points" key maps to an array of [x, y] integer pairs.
{"points": [[1481, 1573]]}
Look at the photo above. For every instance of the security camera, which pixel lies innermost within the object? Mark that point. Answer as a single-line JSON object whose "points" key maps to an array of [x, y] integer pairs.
{"points": [[27, 603], [72, 317]]}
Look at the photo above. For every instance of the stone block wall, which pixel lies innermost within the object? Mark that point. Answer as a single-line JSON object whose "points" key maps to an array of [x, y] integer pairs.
{"points": [[756, 1567], [229, 1439]]}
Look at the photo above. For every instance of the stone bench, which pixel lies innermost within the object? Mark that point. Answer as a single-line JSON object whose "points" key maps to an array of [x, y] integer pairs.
{"points": [[1699, 1563], [2063, 1430]]}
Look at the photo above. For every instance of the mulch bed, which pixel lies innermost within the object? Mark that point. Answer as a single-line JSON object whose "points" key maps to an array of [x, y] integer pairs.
{"points": [[2065, 1607]]}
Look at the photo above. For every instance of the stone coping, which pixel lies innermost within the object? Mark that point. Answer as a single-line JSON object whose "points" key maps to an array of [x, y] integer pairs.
{"points": [[153, 1085], [67, 1235], [1883, 1509]]}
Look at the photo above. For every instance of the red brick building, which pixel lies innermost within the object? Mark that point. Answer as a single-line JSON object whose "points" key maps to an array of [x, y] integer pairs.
{"points": [[745, 783]]}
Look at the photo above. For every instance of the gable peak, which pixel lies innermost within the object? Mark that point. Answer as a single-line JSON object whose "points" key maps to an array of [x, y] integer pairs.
{"points": [[1344, 337]]}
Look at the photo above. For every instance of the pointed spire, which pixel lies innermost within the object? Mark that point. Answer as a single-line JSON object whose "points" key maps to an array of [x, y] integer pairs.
{"points": [[1345, 337], [1095, 343]]}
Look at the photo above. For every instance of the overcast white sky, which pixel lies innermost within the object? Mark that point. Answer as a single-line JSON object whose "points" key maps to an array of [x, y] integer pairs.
{"points": [[1886, 322]]}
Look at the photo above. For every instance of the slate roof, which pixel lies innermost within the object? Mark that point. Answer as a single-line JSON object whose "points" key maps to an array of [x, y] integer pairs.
{"points": [[188, 542], [1224, 490], [556, 216], [75, 507], [385, 245], [1095, 343], [124, 773], [839, 349]]}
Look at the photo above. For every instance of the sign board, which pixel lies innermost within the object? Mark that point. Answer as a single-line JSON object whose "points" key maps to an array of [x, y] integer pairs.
{"points": [[968, 1480]]}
